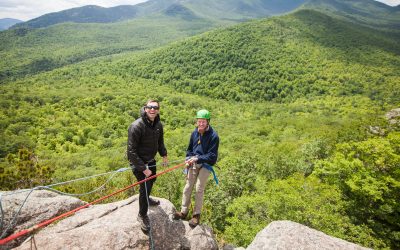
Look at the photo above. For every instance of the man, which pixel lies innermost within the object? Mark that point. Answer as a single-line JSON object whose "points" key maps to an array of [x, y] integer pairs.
{"points": [[145, 139], [201, 154]]}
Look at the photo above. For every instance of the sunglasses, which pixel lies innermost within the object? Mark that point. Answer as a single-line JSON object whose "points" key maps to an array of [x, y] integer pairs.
{"points": [[153, 107]]}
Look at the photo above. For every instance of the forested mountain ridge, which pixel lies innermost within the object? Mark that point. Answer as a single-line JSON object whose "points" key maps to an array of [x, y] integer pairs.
{"points": [[307, 53], [239, 10], [364, 11], [236, 10], [85, 14], [370, 13], [151, 24], [30, 51]]}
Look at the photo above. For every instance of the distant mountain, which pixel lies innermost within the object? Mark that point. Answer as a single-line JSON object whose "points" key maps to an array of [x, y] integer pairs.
{"points": [[5, 23], [237, 10], [86, 14], [30, 51], [307, 53], [99, 31], [178, 10], [366, 12]]}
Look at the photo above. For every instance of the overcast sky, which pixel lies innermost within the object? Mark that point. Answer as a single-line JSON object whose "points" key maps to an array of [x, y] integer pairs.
{"points": [[29, 9]]}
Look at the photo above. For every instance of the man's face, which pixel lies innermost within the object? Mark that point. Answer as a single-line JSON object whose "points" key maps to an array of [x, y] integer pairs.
{"points": [[202, 124], [152, 109]]}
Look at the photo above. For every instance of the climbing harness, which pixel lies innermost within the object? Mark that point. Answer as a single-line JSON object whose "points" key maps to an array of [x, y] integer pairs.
{"points": [[206, 166]]}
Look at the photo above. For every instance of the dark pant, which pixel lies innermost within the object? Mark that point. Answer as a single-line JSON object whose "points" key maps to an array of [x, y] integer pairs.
{"points": [[143, 206]]}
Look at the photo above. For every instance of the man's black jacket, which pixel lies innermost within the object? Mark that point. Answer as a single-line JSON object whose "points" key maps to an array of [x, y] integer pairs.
{"points": [[145, 139]]}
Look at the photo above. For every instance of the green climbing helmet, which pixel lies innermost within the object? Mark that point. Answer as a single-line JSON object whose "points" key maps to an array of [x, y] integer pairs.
{"points": [[203, 114]]}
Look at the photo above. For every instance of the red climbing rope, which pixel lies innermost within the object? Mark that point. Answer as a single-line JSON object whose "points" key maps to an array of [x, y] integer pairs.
{"points": [[47, 222]]}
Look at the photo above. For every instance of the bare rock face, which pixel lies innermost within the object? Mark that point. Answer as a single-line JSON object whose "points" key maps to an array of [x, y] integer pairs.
{"points": [[290, 235], [393, 116], [115, 226], [39, 206]]}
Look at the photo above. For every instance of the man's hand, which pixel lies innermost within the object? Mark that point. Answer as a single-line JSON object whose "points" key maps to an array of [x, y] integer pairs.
{"points": [[165, 161], [147, 172]]}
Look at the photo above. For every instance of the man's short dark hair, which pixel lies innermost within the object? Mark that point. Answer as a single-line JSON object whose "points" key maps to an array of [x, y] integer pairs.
{"points": [[152, 100]]}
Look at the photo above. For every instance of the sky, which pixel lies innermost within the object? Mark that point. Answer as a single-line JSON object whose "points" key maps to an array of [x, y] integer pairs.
{"points": [[28, 9]]}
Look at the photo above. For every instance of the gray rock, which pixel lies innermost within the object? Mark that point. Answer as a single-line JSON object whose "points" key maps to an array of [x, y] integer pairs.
{"points": [[290, 235], [40, 205], [376, 130], [201, 237], [393, 116], [115, 226], [231, 247]]}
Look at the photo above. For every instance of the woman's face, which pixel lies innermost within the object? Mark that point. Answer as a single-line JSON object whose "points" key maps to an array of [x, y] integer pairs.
{"points": [[202, 124]]}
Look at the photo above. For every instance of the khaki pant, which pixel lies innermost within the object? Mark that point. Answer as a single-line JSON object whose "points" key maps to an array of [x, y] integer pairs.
{"points": [[199, 175]]}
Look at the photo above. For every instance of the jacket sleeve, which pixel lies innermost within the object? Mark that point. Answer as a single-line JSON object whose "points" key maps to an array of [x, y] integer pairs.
{"points": [[134, 135], [189, 150], [211, 155], [161, 146]]}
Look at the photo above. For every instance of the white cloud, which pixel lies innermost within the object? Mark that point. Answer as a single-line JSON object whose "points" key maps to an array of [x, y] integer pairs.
{"points": [[390, 2], [29, 9]]}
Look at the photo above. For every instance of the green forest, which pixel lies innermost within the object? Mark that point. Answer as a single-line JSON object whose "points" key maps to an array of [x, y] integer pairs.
{"points": [[28, 51], [299, 103]]}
